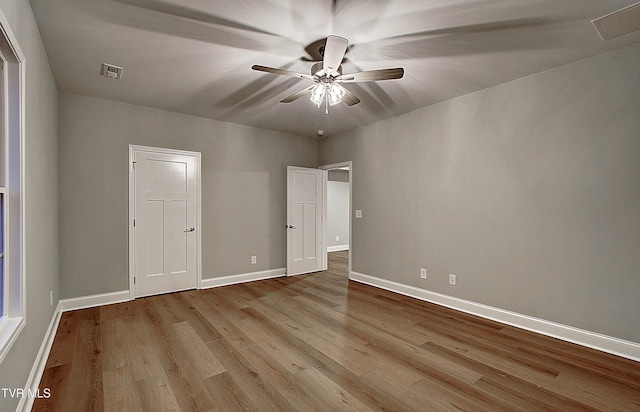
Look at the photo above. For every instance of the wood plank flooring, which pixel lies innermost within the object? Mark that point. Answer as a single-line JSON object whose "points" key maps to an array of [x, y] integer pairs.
{"points": [[318, 342]]}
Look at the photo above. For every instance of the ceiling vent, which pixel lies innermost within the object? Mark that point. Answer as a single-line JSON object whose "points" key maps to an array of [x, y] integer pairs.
{"points": [[110, 71], [619, 22]]}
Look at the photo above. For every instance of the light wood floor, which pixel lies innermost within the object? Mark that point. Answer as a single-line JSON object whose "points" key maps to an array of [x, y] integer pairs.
{"points": [[318, 342]]}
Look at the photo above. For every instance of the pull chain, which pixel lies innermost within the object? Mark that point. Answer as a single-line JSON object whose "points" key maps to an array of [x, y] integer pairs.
{"points": [[326, 104]]}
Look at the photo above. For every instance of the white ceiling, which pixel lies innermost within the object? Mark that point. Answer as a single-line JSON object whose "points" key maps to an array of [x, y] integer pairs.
{"points": [[195, 56]]}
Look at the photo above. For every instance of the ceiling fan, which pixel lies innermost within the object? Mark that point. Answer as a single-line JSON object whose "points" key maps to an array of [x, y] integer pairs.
{"points": [[327, 76]]}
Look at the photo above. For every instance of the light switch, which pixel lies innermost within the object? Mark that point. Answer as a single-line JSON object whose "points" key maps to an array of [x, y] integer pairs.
{"points": [[358, 214]]}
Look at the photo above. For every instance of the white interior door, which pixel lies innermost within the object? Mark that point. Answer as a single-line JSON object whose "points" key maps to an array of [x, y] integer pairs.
{"points": [[305, 207], [165, 221]]}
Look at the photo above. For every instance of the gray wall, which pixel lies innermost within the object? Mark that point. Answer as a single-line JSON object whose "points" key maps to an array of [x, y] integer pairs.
{"points": [[338, 208], [529, 192], [243, 189], [41, 199]]}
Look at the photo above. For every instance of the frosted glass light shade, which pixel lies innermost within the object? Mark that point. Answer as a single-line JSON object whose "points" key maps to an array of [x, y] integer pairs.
{"points": [[317, 94], [336, 93], [333, 92]]}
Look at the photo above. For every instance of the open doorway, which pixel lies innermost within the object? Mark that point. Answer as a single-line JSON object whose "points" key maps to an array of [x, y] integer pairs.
{"points": [[338, 234]]}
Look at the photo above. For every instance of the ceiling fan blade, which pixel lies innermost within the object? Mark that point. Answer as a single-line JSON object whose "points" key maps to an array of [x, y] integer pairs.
{"points": [[349, 98], [371, 75], [297, 95], [282, 72], [334, 51], [314, 50], [619, 22]]}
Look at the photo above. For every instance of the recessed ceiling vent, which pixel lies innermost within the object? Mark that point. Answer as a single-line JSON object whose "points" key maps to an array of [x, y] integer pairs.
{"points": [[110, 71], [618, 23]]}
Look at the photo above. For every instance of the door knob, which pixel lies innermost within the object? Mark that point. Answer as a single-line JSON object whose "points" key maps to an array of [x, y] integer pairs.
{"points": [[191, 229], [291, 227]]}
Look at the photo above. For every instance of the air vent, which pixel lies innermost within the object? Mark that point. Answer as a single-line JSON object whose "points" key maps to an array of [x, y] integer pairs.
{"points": [[110, 71], [619, 22]]}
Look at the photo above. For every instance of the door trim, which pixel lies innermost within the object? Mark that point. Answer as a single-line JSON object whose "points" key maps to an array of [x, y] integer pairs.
{"points": [[348, 164], [132, 150]]}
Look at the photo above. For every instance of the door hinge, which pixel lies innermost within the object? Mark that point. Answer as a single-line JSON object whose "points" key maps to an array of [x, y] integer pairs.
{"points": [[134, 280], [134, 223]]}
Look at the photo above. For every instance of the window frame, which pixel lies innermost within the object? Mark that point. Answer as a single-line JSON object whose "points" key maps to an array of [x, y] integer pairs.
{"points": [[13, 311]]}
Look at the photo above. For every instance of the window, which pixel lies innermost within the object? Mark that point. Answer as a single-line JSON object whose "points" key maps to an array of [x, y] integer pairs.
{"points": [[3, 173], [12, 300], [2, 288]]}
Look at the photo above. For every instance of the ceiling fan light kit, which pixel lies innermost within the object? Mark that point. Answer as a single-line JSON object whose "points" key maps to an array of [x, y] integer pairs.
{"points": [[327, 76], [331, 93], [328, 93]]}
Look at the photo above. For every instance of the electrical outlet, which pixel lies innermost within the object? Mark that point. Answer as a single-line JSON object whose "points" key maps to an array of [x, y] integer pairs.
{"points": [[254, 260], [423, 273], [452, 279], [51, 297], [337, 238]]}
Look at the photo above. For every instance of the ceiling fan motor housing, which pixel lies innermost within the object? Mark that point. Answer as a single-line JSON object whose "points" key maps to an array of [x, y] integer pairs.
{"points": [[317, 67]]}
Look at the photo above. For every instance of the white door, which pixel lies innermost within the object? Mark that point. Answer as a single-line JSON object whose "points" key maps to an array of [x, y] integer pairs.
{"points": [[305, 207], [165, 221]]}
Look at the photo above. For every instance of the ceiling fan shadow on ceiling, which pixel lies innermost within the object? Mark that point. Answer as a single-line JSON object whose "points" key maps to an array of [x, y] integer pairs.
{"points": [[327, 77]]}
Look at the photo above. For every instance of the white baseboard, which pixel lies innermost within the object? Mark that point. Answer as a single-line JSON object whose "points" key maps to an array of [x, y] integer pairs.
{"points": [[245, 277], [609, 344], [338, 248], [91, 301], [26, 402]]}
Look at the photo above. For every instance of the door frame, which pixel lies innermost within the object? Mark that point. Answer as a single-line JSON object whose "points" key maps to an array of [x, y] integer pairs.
{"points": [[132, 198], [328, 167]]}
